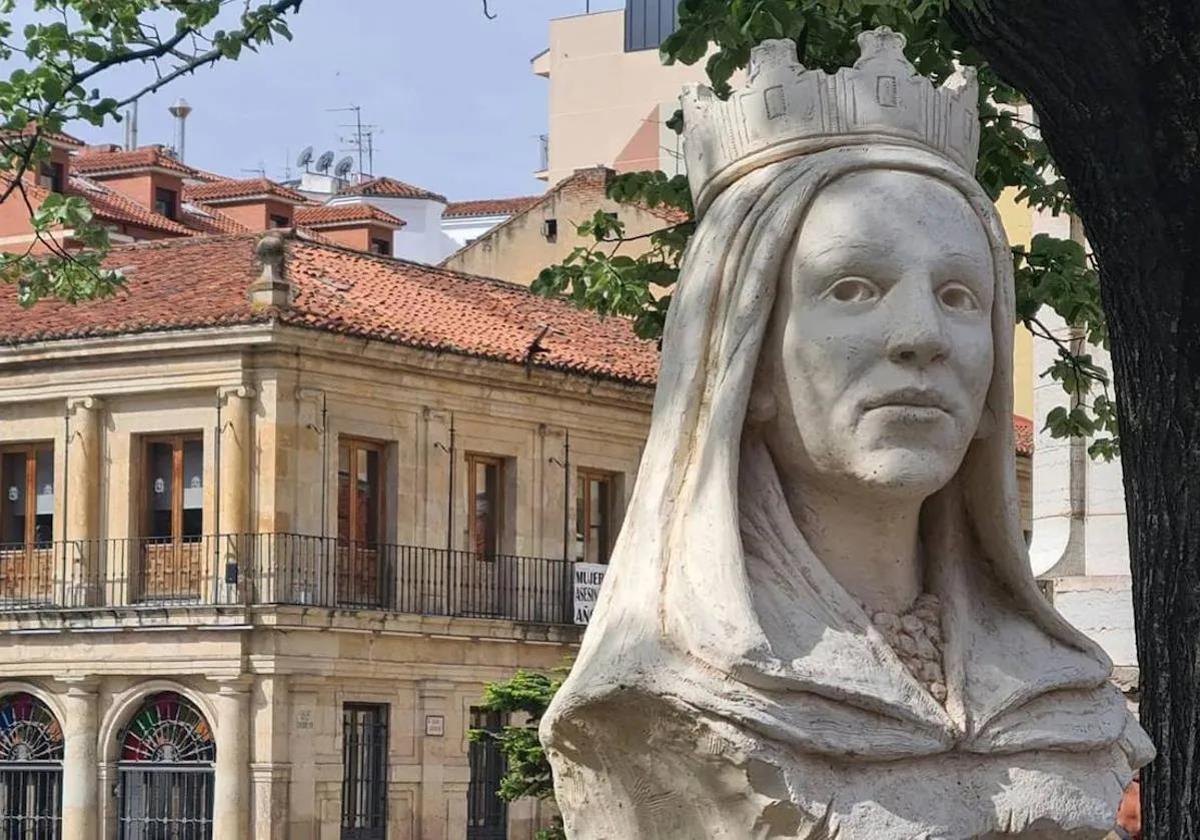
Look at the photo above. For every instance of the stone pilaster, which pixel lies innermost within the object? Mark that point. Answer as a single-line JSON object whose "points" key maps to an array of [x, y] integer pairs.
{"points": [[81, 585], [80, 783], [231, 788], [435, 699], [233, 501]]}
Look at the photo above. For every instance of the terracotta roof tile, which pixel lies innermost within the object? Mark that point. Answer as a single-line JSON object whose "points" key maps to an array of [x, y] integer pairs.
{"points": [[490, 206], [205, 219], [334, 214], [92, 161], [232, 189], [202, 281], [390, 187], [60, 138]]}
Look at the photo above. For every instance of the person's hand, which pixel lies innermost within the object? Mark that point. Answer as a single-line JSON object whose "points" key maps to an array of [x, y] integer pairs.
{"points": [[1129, 813]]}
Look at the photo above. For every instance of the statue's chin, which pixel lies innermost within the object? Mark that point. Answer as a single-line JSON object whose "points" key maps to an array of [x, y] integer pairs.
{"points": [[901, 473]]}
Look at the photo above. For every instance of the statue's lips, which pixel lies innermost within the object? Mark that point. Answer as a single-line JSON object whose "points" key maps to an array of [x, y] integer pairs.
{"points": [[918, 403]]}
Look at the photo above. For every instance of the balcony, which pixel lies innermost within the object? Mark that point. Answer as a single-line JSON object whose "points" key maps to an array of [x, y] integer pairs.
{"points": [[262, 570]]}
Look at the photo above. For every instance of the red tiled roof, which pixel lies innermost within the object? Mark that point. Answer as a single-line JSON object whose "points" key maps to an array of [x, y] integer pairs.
{"points": [[231, 189], [490, 206], [1023, 434], [205, 219], [92, 161], [202, 281], [59, 137], [333, 214], [390, 187]]}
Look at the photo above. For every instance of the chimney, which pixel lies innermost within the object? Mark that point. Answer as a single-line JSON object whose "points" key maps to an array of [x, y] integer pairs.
{"points": [[271, 287], [180, 111]]}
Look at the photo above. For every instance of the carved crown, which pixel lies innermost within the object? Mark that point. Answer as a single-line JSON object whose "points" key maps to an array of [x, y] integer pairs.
{"points": [[786, 111]]}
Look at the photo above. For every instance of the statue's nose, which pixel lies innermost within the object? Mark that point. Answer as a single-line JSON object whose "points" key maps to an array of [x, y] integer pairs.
{"points": [[916, 333]]}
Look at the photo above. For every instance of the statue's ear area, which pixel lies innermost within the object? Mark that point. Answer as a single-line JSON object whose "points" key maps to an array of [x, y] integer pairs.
{"points": [[987, 423]]}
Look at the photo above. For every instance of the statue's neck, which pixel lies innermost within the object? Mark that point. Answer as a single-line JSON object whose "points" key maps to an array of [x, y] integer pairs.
{"points": [[870, 548]]}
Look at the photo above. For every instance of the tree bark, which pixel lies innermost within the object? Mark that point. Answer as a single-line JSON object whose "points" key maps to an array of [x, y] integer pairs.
{"points": [[1116, 85]]}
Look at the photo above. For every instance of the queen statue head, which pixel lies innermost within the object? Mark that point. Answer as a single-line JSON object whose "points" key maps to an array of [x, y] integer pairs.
{"points": [[820, 619]]}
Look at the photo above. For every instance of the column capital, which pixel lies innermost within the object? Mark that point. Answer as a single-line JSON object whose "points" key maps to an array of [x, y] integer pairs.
{"points": [[232, 685], [226, 392], [79, 686], [434, 689], [88, 403]]}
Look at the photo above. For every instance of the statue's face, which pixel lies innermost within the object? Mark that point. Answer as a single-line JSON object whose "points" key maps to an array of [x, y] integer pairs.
{"points": [[879, 353]]}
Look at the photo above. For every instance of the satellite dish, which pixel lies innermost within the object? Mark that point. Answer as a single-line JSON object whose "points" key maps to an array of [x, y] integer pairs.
{"points": [[325, 161], [305, 158], [344, 166]]}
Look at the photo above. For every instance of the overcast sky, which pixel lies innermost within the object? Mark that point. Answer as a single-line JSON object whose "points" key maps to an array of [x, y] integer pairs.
{"points": [[457, 107]]}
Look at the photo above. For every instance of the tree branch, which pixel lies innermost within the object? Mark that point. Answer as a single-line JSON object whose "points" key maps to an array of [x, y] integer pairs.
{"points": [[487, 13]]}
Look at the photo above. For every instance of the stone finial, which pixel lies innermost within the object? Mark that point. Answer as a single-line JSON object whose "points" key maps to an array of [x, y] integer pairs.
{"points": [[271, 287]]}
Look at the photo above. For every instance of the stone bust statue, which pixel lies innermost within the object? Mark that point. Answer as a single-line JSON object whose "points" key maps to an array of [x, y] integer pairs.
{"points": [[820, 620]]}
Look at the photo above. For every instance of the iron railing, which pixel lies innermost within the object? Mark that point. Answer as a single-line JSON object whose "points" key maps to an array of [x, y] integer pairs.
{"points": [[284, 569]]}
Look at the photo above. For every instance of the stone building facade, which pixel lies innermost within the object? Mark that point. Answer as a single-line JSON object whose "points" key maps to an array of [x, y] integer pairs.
{"points": [[272, 518]]}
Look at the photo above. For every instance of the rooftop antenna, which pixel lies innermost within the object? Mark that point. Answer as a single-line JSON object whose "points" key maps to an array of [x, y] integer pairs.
{"points": [[324, 162], [131, 115], [260, 170], [180, 111], [305, 158], [343, 167], [358, 130]]}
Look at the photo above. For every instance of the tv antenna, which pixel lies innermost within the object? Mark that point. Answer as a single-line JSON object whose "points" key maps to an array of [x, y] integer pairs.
{"points": [[357, 141], [324, 162], [343, 167], [260, 170], [305, 158]]}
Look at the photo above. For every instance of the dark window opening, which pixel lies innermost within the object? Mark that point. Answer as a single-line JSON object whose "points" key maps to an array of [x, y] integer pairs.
{"points": [[593, 516], [550, 229], [364, 771], [166, 202], [649, 22], [280, 221], [26, 496], [52, 176], [487, 813], [381, 247], [485, 495], [360, 492]]}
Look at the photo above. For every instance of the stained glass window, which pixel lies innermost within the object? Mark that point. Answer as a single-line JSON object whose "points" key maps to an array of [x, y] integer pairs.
{"points": [[168, 729], [29, 731]]}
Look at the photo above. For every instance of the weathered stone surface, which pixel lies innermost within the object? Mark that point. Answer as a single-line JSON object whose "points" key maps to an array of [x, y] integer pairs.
{"points": [[831, 441]]}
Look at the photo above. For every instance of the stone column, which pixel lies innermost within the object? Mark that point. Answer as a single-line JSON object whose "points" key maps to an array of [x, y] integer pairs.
{"points": [[231, 790], [81, 585], [80, 783], [233, 502]]}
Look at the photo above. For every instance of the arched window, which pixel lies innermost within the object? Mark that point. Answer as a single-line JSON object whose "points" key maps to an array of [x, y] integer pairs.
{"points": [[166, 772], [31, 752]]}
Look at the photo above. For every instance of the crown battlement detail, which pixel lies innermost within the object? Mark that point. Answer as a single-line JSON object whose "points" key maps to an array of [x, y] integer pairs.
{"points": [[786, 111]]}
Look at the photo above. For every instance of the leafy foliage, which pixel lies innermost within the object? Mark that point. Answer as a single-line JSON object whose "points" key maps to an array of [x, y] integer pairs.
{"points": [[1051, 272], [64, 56], [527, 768]]}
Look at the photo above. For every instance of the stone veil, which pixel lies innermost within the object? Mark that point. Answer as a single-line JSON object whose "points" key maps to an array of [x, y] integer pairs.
{"points": [[728, 686]]}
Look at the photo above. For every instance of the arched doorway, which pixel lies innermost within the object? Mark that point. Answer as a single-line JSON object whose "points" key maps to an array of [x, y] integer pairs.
{"points": [[165, 780], [31, 754]]}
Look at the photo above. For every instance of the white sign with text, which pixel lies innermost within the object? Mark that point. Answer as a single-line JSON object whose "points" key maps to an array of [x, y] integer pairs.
{"points": [[588, 577]]}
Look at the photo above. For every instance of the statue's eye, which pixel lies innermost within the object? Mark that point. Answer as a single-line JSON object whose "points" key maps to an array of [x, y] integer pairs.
{"points": [[853, 290], [958, 297]]}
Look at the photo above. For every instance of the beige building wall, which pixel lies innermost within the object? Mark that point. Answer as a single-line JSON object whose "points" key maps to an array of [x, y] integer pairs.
{"points": [[272, 680], [518, 249], [1018, 224], [601, 96]]}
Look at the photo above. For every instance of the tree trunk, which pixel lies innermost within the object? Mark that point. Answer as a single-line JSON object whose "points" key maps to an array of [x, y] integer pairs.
{"points": [[1116, 85]]}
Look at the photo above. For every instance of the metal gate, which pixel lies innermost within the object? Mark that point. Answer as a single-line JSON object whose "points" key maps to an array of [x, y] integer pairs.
{"points": [[487, 813], [31, 751], [165, 782], [364, 771]]}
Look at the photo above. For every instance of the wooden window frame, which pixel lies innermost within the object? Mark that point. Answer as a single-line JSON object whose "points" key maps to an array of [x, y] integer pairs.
{"points": [[30, 450], [177, 441], [171, 205], [478, 458], [584, 477], [356, 444]]}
